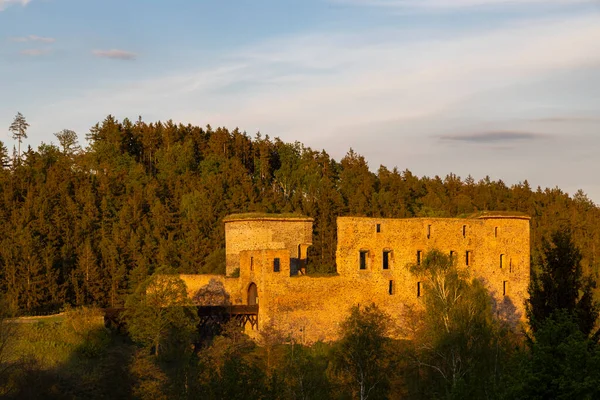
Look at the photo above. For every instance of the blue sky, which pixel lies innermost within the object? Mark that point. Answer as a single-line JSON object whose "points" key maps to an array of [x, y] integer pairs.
{"points": [[509, 89]]}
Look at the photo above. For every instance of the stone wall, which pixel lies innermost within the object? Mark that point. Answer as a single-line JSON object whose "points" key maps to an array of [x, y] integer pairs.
{"points": [[498, 247], [312, 308], [265, 233]]}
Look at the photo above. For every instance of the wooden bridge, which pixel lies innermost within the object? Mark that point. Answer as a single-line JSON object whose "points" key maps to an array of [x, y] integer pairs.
{"points": [[211, 318], [243, 315]]}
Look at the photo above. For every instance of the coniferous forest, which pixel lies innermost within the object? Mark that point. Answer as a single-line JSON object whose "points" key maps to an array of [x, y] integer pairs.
{"points": [[84, 227], [87, 227]]}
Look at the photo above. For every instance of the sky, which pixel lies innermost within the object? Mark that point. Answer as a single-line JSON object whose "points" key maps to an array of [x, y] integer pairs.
{"points": [[508, 89]]}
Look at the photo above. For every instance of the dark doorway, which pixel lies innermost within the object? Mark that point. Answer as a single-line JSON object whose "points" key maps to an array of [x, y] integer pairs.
{"points": [[252, 295]]}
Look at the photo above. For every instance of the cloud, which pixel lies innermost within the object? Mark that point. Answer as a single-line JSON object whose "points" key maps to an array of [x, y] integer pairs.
{"points": [[115, 54], [315, 86], [493, 137], [455, 4], [33, 38], [568, 119], [35, 52], [4, 4]]}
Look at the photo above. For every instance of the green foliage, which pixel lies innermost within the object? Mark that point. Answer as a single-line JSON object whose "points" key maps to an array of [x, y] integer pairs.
{"points": [[84, 323], [361, 358], [85, 228], [305, 372], [68, 141], [560, 285], [215, 263], [459, 346], [160, 316], [562, 363]]}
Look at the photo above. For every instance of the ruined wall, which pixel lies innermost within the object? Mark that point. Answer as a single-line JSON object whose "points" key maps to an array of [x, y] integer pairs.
{"points": [[498, 248], [312, 308], [265, 233], [205, 289]]}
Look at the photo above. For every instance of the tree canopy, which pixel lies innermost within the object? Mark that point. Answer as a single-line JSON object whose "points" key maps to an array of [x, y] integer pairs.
{"points": [[561, 285], [86, 227]]}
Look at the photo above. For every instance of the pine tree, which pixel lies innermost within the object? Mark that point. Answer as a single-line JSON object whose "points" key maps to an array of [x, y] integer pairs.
{"points": [[18, 128]]}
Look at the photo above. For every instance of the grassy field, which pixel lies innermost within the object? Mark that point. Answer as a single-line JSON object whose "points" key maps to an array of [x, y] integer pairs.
{"points": [[68, 356]]}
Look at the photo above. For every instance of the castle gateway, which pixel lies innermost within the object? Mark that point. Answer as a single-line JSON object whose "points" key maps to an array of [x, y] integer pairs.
{"points": [[266, 258]]}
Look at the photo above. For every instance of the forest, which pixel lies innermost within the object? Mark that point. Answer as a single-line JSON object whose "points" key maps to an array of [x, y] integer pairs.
{"points": [[86, 228], [454, 347]]}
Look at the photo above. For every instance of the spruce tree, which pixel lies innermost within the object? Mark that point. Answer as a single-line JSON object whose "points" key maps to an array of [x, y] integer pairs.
{"points": [[561, 285]]}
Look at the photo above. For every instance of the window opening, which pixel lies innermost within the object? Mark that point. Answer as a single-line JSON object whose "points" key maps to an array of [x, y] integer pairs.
{"points": [[496, 232], [464, 231], [452, 253], [501, 260], [468, 258], [419, 254], [378, 228], [419, 293], [363, 259], [276, 265], [251, 263], [391, 288], [386, 259], [504, 288], [428, 231]]}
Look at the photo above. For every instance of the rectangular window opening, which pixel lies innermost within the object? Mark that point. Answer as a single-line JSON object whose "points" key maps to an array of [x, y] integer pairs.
{"points": [[251, 263], [391, 288], [419, 256], [496, 232], [378, 228], [363, 259], [464, 231], [452, 253], [419, 292], [428, 231], [505, 288], [276, 265], [386, 259], [501, 260], [468, 258]]}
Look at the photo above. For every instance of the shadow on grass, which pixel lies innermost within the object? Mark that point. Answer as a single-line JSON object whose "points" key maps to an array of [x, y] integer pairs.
{"points": [[95, 368]]}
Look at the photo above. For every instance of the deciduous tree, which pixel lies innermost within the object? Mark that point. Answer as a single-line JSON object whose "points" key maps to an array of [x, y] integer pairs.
{"points": [[159, 314], [68, 141], [362, 357]]}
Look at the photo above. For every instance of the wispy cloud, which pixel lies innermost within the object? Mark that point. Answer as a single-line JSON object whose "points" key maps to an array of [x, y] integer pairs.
{"points": [[454, 4], [6, 3], [322, 84], [493, 137], [33, 38], [568, 119], [35, 52], [115, 54]]}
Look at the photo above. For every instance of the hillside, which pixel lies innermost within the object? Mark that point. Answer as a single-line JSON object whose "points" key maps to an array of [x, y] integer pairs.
{"points": [[86, 227]]}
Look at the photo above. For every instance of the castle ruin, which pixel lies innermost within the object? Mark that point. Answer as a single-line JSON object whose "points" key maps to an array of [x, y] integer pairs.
{"points": [[266, 258]]}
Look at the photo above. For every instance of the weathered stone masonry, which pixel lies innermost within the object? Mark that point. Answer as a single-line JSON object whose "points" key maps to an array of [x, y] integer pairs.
{"points": [[372, 259]]}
